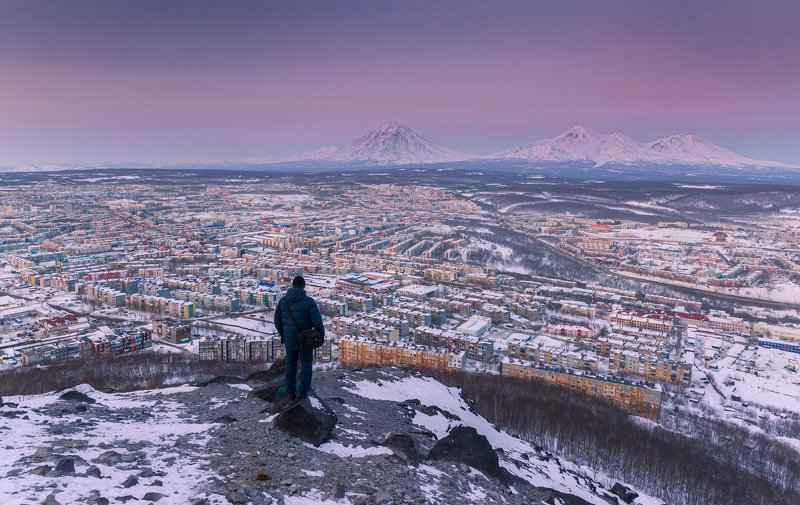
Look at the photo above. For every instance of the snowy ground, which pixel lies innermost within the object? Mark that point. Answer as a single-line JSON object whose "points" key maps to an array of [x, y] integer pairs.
{"points": [[547, 474], [142, 428]]}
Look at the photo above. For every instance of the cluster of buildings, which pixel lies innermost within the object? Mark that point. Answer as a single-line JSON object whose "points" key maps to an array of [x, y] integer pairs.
{"points": [[110, 269]]}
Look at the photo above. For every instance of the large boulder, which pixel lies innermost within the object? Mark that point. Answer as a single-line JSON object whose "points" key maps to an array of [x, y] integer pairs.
{"points": [[309, 419], [464, 445], [223, 379], [625, 493], [276, 369], [404, 446], [76, 396], [270, 391]]}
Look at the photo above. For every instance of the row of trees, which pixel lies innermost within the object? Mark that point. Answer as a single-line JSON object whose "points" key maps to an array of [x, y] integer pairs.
{"points": [[703, 462], [127, 372]]}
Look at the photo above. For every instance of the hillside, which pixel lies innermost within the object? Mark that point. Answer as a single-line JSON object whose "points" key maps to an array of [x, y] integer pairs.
{"points": [[213, 444]]}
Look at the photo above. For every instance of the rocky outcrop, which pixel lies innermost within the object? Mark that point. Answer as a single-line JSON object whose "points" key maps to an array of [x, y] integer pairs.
{"points": [[403, 446], [224, 379], [625, 493], [465, 445], [308, 419], [276, 369], [270, 391], [76, 396]]}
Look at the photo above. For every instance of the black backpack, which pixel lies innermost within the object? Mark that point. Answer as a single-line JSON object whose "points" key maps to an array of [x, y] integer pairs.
{"points": [[308, 339]]}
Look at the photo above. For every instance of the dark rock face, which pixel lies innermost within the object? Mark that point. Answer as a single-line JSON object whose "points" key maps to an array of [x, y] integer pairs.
{"points": [[309, 419], [464, 445], [130, 481], [51, 500], [108, 458], [225, 419], [404, 446], [625, 493], [41, 470], [275, 370], [65, 465], [76, 396], [270, 391], [224, 379]]}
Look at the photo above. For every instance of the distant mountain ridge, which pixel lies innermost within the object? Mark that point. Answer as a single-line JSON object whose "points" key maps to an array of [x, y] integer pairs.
{"points": [[392, 143], [397, 144], [583, 145]]}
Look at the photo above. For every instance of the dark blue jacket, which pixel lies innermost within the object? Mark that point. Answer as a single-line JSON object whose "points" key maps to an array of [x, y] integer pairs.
{"points": [[305, 311]]}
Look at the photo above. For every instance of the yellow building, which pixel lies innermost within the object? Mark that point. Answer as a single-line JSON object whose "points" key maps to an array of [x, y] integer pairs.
{"points": [[634, 397], [361, 352]]}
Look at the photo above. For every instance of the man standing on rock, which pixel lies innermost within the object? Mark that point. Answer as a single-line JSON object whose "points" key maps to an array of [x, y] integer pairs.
{"points": [[296, 311]]}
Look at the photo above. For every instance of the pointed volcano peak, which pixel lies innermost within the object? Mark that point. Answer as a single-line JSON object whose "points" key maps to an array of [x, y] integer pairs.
{"points": [[579, 133], [393, 126], [393, 143]]}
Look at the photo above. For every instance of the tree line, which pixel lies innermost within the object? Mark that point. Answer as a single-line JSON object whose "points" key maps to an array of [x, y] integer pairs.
{"points": [[703, 461]]}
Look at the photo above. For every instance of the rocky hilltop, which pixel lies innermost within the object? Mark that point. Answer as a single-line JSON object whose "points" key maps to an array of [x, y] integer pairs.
{"points": [[363, 437]]}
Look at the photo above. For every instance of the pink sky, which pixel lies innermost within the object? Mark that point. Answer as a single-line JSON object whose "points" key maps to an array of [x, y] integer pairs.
{"points": [[90, 81]]}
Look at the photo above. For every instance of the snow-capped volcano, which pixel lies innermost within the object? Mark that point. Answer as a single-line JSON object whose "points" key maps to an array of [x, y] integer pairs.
{"points": [[393, 143], [581, 144]]}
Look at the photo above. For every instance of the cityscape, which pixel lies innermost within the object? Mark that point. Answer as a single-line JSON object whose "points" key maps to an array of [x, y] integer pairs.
{"points": [[411, 276], [399, 252]]}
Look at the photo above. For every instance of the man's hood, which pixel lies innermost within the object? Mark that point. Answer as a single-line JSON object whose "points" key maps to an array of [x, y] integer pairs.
{"points": [[294, 295]]}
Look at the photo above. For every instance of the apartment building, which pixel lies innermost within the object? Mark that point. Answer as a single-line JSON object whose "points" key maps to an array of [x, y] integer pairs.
{"points": [[545, 350], [570, 330], [172, 330], [651, 321], [636, 398], [629, 362], [475, 348], [361, 352]]}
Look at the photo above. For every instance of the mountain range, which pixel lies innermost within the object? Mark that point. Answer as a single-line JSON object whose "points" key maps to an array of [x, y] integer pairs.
{"points": [[396, 143]]}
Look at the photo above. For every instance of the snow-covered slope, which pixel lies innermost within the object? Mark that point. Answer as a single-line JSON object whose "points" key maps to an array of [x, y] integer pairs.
{"points": [[393, 143], [216, 445], [583, 145]]}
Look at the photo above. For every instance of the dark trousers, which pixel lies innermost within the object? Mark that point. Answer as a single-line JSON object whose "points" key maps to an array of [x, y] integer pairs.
{"points": [[306, 358]]}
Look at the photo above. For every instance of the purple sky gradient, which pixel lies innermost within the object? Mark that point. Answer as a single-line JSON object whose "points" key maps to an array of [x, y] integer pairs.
{"points": [[103, 80]]}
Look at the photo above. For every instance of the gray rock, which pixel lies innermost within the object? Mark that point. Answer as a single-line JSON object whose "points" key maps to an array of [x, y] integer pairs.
{"points": [[237, 497], [146, 473], [76, 396], [625, 493], [270, 391], [226, 419], [338, 490], [51, 500], [464, 445], [65, 465], [130, 481], [404, 446], [93, 471], [310, 419], [108, 458], [383, 498], [224, 379], [41, 470], [151, 496], [41, 452]]}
